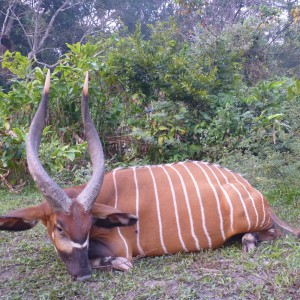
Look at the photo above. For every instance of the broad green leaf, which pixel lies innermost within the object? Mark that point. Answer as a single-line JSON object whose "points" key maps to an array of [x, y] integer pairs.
{"points": [[297, 87], [162, 128], [70, 155], [19, 133], [46, 129], [275, 84], [290, 93], [160, 140], [276, 116]]}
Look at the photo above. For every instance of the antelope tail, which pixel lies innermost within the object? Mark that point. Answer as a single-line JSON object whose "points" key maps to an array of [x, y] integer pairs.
{"points": [[284, 226]]}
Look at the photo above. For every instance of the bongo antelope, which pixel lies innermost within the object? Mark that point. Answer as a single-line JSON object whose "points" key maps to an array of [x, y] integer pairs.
{"points": [[140, 211]]}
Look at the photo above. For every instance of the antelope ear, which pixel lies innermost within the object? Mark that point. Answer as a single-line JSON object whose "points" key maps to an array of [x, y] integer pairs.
{"points": [[115, 220], [16, 224], [107, 216], [22, 219]]}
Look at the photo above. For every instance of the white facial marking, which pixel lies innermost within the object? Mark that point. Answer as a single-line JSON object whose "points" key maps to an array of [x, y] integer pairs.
{"points": [[80, 246], [66, 245]]}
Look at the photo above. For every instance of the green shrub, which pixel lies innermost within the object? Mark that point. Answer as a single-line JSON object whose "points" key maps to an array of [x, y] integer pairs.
{"points": [[156, 100]]}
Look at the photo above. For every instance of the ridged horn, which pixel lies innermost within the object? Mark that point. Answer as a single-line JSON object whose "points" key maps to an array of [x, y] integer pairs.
{"points": [[91, 191], [56, 197]]}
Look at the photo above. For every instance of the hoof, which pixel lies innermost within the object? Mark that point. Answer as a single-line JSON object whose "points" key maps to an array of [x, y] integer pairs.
{"points": [[249, 242], [122, 264], [116, 263]]}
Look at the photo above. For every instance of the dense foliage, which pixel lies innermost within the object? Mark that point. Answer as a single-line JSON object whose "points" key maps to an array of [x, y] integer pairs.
{"points": [[166, 96]]}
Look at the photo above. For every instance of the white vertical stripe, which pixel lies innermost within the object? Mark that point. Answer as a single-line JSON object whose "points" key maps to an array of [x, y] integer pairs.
{"points": [[243, 204], [226, 196], [188, 207], [175, 209], [201, 205], [116, 205], [264, 209], [244, 187], [238, 192], [158, 212], [137, 200], [216, 197]]}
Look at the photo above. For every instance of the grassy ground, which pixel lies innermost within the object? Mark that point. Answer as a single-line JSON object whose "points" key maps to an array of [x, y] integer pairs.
{"points": [[30, 268]]}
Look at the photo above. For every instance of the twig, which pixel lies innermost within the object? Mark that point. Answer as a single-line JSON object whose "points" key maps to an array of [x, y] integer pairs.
{"points": [[3, 179], [46, 65], [14, 189], [50, 25], [280, 31]]}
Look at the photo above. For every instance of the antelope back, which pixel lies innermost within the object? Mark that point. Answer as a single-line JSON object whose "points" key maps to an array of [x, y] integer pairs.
{"points": [[185, 206]]}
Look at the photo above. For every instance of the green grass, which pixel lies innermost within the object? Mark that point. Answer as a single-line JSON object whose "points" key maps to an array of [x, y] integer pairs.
{"points": [[31, 269]]}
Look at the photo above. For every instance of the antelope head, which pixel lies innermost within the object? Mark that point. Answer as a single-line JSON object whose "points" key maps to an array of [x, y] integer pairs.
{"points": [[68, 219]]}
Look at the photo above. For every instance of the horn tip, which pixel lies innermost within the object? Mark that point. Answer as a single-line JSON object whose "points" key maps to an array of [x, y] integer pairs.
{"points": [[47, 83], [86, 84]]}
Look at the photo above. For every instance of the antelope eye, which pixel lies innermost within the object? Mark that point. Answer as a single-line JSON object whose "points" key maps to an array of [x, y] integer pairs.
{"points": [[59, 229]]}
